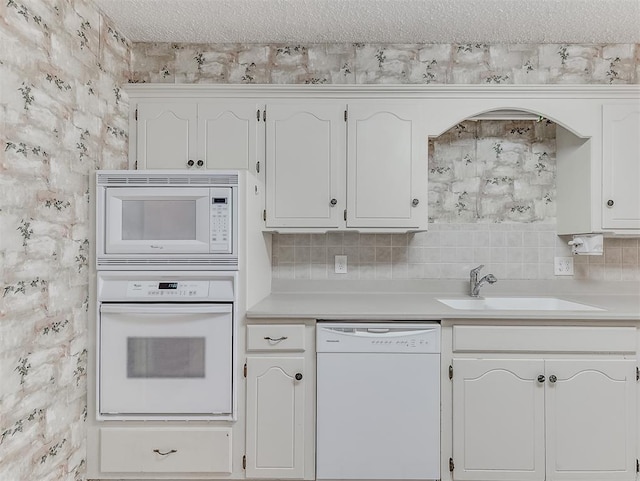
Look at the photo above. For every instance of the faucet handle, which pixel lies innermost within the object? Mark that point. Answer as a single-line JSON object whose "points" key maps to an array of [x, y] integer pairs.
{"points": [[475, 270]]}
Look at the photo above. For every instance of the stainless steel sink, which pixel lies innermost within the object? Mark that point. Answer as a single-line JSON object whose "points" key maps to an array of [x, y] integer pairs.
{"points": [[517, 304]]}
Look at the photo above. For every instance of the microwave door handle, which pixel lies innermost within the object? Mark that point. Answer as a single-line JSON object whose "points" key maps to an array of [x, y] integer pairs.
{"points": [[164, 309]]}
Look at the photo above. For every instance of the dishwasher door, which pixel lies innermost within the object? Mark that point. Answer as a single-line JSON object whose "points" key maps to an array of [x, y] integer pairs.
{"points": [[378, 401]]}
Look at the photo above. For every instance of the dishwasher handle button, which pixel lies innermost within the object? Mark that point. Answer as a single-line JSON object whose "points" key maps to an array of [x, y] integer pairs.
{"points": [[298, 376]]}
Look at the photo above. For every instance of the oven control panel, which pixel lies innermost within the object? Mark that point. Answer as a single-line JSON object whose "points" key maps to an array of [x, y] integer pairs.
{"points": [[168, 289]]}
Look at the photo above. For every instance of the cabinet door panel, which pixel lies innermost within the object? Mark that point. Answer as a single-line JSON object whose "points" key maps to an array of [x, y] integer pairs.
{"points": [[305, 154], [590, 420], [166, 135], [227, 134], [275, 417], [498, 425], [386, 166], [621, 166]]}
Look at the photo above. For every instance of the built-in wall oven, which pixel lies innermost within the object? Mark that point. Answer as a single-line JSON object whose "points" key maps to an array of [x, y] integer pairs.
{"points": [[165, 345]]}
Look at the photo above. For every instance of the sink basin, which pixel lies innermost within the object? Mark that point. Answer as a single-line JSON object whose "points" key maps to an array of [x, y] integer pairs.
{"points": [[517, 304]]}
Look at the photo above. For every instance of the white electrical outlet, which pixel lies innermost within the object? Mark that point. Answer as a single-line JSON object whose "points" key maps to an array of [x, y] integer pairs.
{"points": [[341, 264], [563, 266]]}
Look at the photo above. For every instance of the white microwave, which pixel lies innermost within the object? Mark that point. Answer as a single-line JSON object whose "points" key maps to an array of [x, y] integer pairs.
{"points": [[166, 220]]}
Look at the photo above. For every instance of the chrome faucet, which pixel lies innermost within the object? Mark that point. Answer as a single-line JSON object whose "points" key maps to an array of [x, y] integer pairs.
{"points": [[475, 284]]}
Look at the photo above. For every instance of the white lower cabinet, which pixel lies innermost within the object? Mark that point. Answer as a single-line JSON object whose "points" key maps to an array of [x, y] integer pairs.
{"points": [[543, 416], [165, 450], [280, 386]]}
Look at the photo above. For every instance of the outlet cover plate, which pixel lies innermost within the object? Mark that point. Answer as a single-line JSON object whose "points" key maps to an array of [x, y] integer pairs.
{"points": [[563, 266], [341, 264]]}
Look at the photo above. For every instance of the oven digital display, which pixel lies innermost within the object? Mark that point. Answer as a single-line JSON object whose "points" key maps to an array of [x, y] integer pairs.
{"points": [[167, 285], [219, 200]]}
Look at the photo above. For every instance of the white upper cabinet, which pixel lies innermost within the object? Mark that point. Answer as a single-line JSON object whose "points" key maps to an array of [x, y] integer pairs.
{"points": [[332, 166], [621, 166], [305, 146], [213, 135], [227, 134], [166, 134], [386, 166]]}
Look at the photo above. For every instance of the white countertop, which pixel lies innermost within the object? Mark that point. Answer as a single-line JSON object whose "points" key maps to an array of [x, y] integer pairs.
{"points": [[417, 300]]}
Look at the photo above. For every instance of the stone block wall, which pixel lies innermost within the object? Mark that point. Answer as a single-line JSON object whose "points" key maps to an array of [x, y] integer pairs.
{"points": [[62, 115]]}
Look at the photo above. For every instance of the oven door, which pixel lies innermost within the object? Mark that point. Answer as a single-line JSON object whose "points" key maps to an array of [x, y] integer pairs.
{"points": [[165, 359]]}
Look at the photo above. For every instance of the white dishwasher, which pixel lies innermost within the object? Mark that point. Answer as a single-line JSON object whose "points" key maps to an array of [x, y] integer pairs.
{"points": [[378, 401]]}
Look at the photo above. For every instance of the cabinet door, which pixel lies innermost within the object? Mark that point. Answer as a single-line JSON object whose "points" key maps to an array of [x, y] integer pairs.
{"points": [[498, 425], [166, 135], [621, 166], [227, 133], [275, 417], [386, 166], [304, 164], [590, 420]]}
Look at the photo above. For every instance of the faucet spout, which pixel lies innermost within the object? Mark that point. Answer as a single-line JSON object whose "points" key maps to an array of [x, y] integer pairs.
{"points": [[475, 284]]}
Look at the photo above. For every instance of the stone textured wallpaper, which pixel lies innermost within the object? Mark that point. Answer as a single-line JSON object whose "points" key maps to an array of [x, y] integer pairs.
{"points": [[62, 114], [404, 63]]}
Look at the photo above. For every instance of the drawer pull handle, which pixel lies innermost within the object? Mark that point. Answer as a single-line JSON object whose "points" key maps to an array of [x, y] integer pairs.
{"points": [[171, 451], [278, 339]]}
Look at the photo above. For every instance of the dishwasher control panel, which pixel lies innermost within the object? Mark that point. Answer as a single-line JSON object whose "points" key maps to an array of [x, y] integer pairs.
{"points": [[419, 337]]}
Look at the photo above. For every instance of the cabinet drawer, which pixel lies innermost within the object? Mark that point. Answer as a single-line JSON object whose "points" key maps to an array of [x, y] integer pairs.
{"points": [[196, 450], [275, 337], [543, 339]]}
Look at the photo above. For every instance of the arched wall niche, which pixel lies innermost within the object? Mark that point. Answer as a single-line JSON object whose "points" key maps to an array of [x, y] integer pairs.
{"points": [[570, 120]]}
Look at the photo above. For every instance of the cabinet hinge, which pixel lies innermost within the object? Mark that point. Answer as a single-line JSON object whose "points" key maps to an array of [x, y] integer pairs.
{"points": [[244, 462], [346, 115], [244, 370], [637, 466], [258, 115], [264, 115], [136, 114], [345, 214], [257, 167], [451, 465], [637, 373], [450, 372], [136, 165], [264, 215]]}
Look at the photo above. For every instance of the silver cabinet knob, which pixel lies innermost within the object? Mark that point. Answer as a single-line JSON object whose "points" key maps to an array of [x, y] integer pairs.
{"points": [[540, 378], [610, 203], [415, 202], [552, 378], [333, 202]]}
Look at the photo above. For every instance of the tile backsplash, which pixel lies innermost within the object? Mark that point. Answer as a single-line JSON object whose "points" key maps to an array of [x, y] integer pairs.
{"points": [[449, 251]]}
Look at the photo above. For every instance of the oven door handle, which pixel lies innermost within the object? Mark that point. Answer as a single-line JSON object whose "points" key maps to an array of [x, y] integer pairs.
{"points": [[166, 308]]}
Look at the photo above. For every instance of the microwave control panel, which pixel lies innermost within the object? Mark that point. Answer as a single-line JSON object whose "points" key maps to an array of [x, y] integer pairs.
{"points": [[168, 289], [221, 223]]}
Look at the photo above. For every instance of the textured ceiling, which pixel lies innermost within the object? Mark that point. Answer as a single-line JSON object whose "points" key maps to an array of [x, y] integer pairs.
{"points": [[376, 21]]}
